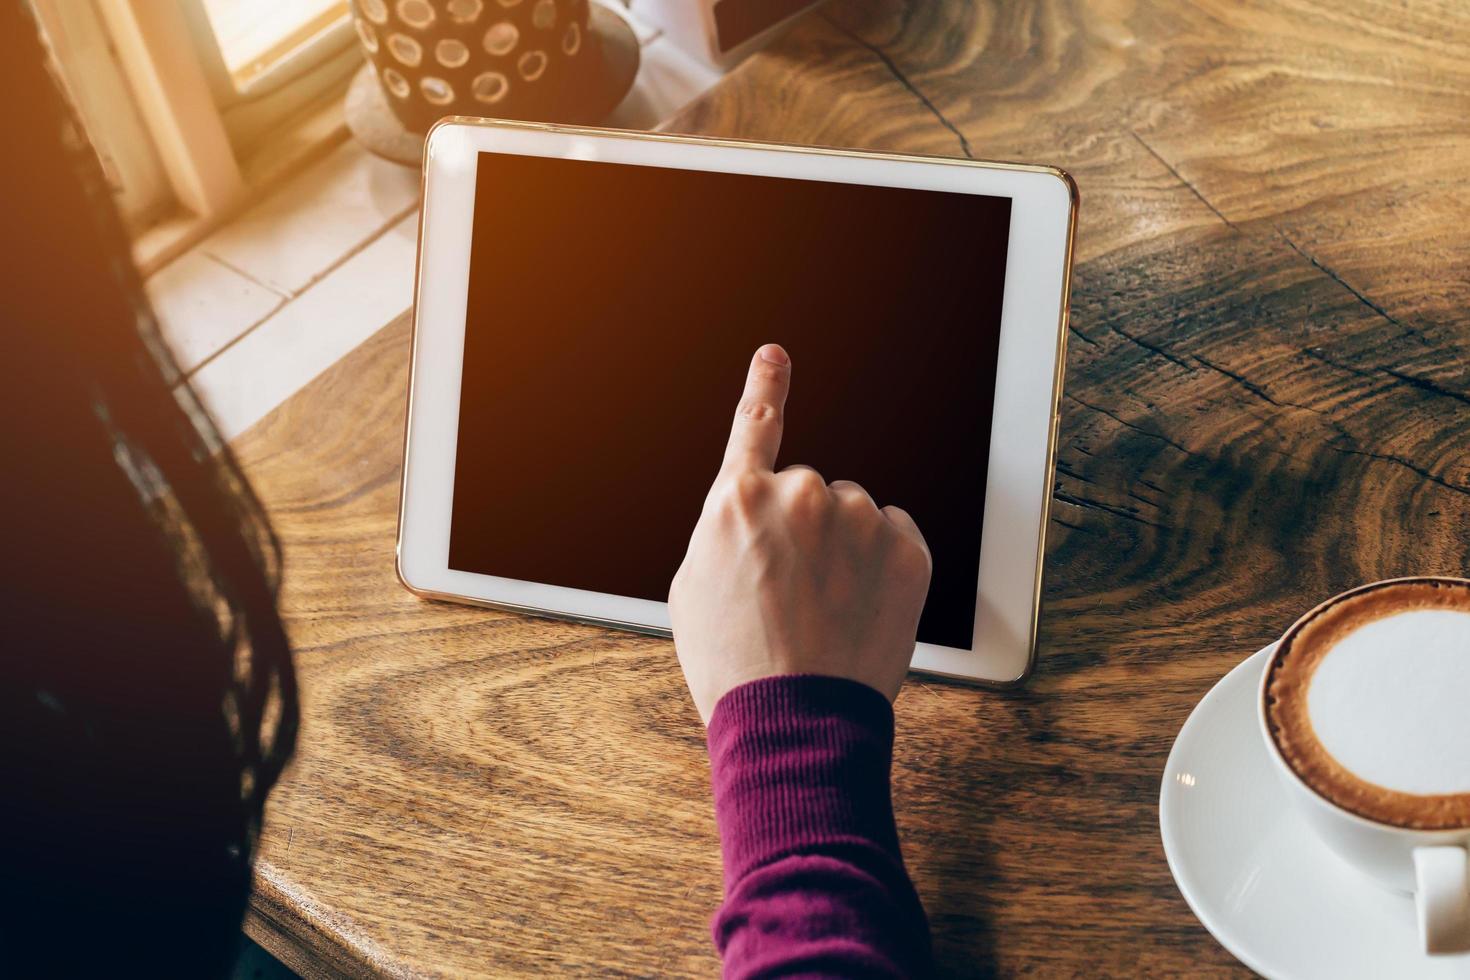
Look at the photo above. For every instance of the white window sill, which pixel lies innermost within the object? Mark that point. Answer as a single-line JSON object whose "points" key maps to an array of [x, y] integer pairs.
{"points": [[267, 302]]}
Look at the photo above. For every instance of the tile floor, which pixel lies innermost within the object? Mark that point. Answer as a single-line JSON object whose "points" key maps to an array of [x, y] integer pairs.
{"points": [[270, 300]]}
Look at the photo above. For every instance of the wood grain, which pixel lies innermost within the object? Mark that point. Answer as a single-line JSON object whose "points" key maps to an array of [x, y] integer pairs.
{"points": [[1268, 383]]}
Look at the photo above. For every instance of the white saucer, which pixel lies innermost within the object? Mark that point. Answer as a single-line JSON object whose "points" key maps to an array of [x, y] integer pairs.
{"points": [[1269, 891]]}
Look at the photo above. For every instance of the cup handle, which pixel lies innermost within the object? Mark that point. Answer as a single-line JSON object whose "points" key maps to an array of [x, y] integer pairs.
{"points": [[1442, 893]]}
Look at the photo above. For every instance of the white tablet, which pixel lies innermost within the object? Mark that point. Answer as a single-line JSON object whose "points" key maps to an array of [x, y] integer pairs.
{"points": [[588, 302]]}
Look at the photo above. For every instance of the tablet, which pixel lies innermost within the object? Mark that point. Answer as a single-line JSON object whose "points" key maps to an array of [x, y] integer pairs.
{"points": [[587, 304]]}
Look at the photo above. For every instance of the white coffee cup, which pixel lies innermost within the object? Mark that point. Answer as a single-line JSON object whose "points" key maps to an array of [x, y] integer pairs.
{"points": [[1433, 866]]}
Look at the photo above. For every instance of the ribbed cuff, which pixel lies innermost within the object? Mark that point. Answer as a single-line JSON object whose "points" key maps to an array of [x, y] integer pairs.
{"points": [[800, 764]]}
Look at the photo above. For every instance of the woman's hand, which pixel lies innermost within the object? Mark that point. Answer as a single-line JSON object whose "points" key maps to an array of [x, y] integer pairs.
{"points": [[788, 574]]}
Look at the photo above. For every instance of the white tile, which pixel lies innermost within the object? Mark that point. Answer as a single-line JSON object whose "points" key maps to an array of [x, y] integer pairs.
{"points": [[299, 232], [668, 79], [202, 306], [312, 332]]}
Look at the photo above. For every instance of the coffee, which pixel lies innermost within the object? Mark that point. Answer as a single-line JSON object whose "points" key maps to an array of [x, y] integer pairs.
{"points": [[1368, 700]]}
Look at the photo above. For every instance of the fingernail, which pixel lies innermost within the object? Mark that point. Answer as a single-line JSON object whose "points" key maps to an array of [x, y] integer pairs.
{"points": [[775, 354]]}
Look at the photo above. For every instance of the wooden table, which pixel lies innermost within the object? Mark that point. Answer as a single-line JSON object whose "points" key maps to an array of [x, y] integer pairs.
{"points": [[1266, 402]]}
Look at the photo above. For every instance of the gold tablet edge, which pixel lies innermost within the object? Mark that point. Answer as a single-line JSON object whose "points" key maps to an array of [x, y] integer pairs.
{"points": [[1058, 371]]}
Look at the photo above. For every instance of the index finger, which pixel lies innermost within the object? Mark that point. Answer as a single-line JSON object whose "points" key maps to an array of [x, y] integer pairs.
{"points": [[755, 436]]}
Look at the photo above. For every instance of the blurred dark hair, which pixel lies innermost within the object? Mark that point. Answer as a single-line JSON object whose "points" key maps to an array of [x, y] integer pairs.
{"points": [[147, 698]]}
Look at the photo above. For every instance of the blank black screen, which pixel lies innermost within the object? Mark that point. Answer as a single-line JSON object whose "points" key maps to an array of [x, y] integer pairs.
{"points": [[612, 314]]}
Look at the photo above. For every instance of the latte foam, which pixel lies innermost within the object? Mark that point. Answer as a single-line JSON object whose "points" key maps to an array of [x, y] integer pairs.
{"points": [[1390, 701], [1367, 698]]}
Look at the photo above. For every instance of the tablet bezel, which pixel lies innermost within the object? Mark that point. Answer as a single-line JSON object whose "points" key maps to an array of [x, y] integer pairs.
{"points": [[1028, 382]]}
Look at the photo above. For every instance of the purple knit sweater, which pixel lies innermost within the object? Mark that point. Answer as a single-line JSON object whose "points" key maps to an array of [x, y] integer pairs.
{"points": [[814, 882]]}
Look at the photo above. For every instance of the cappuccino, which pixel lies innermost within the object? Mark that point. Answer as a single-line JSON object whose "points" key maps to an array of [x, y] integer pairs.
{"points": [[1368, 701]]}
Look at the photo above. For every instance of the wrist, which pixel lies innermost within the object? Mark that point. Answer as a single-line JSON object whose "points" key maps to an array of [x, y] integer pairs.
{"points": [[800, 764]]}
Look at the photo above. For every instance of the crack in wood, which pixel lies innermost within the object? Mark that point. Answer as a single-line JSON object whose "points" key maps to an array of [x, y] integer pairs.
{"points": [[1129, 425], [1076, 527], [1082, 336], [903, 80], [1316, 354], [1180, 177], [1406, 464], [1152, 348], [1142, 499], [1254, 388], [1343, 283], [1425, 384], [1412, 380], [1240, 379], [1098, 505], [1066, 470], [1324, 269]]}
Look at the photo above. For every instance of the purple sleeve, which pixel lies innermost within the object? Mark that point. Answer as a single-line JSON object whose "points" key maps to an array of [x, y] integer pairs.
{"points": [[814, 882]]}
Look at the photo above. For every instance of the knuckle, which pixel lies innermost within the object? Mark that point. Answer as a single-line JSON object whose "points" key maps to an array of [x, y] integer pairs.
{"points": [[767, 372], [856, 499], [743, 493], [757, 410], [808, 484], [749, 486]]}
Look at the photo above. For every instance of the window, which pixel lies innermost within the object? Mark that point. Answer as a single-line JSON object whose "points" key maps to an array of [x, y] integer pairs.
{"points": [[98, 89], [265, 59], [254, 35], [193, 103]]}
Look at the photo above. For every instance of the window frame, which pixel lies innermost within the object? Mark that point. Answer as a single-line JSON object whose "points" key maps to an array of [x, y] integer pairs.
{"points": [[313, 62], [77, 38], [175, 81]]}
